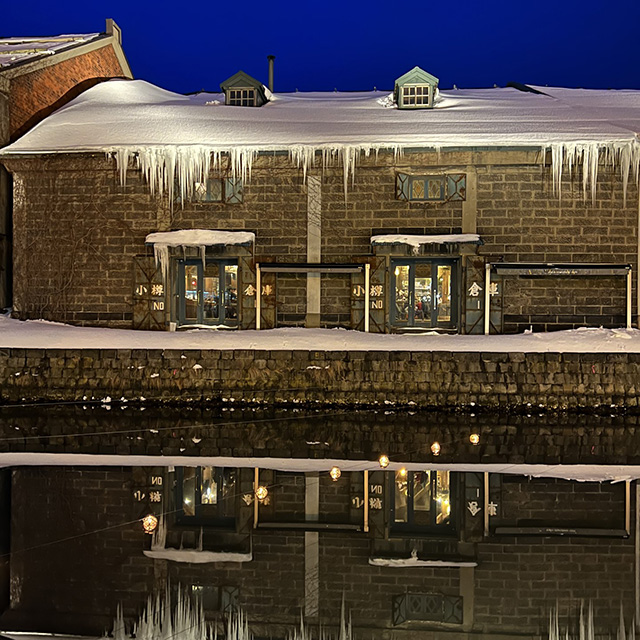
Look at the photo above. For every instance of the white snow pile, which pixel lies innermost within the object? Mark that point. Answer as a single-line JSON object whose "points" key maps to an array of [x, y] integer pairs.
{"points": [[201, 238], [173, 137], [39, 334], [416, 241]]}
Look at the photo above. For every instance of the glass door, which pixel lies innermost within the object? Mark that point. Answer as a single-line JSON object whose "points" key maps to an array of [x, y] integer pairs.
{"points": [[424, 293], [208, 293]]}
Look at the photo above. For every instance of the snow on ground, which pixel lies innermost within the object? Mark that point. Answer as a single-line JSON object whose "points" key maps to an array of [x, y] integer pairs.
{"points": [[49, 335]]}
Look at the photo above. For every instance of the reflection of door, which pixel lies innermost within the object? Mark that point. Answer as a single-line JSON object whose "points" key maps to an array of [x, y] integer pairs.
{"points": [[208, 294], [424, 293]]}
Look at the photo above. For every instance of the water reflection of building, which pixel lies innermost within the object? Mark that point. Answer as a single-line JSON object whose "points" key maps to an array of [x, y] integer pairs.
{"points": [[447, 539]]}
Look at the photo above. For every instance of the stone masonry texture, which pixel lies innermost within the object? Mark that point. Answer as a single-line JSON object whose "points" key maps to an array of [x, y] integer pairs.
{"points": [[424, 379]]}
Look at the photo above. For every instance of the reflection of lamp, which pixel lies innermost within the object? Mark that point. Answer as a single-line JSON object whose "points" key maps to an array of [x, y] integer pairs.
{"points": [[262, 492], [384, 461], [474, 438], [403, 472], [435, 448], [335, 473], [149, 523]]}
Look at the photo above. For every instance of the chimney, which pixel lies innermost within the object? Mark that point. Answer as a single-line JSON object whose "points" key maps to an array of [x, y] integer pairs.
{"points": [[271, 59]]}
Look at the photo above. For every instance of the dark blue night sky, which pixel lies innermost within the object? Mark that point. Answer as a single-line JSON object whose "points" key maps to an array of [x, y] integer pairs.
{"points": [[356, 45]]}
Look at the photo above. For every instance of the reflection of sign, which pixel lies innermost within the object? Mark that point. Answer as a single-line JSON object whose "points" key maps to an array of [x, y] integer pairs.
{"points": [[155, 496], [492, 507], [473, 507], [139, 495], [375, 488], [375, 503], [141, 290], [156, 480]]}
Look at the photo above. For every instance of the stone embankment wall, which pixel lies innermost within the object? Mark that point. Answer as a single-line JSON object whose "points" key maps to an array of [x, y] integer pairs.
{"points": [[426, 379]]}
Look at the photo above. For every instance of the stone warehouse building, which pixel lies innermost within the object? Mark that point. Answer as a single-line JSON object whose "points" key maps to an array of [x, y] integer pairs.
{"points": [[287, 514], [37, 76], [136, 207]]}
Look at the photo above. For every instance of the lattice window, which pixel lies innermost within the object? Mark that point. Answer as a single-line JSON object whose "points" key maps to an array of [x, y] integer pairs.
{"points": [[416, 96], [241, 97], [427, 607], [431, 188]]}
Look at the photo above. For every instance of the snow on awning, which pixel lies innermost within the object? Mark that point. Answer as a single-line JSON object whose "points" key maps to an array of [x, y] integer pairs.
{"points": [[201, 238], [416, 241], [194, 556]]}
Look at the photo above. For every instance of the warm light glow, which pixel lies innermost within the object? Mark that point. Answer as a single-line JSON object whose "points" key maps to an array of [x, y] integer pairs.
{"points": [[262, 492], [403, 472], [149, 523], [384, 461], [335, 473], [435, 448], [474, 438]]}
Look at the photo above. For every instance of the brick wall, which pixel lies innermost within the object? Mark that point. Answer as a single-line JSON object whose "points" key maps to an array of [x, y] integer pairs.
{"points": [[75, 585], [32, 92], [77, 231]]}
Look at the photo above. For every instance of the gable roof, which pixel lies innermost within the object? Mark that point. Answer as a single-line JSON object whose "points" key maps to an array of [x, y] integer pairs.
{"points": [[417, 76], [241, 79], [15, 51]]}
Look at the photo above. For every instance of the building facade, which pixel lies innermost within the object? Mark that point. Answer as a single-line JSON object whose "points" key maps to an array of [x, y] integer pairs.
{"points": [[37, 76]]}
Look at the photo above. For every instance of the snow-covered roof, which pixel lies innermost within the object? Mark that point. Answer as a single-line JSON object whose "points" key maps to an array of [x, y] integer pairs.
{"points": [[17, 50], [199, 238], [416, 241], [175, 135]]}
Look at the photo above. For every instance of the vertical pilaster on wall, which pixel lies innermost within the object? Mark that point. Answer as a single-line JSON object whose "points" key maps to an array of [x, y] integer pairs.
{"points": [[467, 592], [19, 240], [470, 204], [311, 550], [314, 248]]}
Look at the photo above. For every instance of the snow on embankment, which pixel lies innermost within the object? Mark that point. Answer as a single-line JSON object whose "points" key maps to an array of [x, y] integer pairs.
{"points": [[39, 334], [174, 138]]}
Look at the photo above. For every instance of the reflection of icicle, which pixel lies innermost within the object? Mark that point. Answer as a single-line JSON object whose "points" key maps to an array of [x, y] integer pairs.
{"points": [[159, 539]]}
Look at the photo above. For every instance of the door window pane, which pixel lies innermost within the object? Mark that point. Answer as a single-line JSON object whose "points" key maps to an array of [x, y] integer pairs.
{"points": [[231, 291], [422, 288], [401, 485], [422, 498], [228, 492], [191, 292], [208, 488], [211, 292], [443, 293], [442, 498], [402, 293], [189, 491]]}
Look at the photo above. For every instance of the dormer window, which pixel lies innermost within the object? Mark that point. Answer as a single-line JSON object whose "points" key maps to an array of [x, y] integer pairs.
{"points": [[242, 97], [241, 90], [416, 89]]}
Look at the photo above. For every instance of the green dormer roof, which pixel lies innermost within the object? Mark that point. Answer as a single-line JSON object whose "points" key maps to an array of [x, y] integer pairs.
{"points": [[417, 76], [241, 79]]}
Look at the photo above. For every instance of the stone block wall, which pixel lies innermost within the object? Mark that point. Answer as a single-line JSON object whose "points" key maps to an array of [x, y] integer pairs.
{"points": [[77, 232], [424, 379]]}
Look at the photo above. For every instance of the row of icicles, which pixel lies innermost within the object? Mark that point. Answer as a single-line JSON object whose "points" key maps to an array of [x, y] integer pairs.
{"points": [[184, 166], [585, 629], [176, 613]]}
